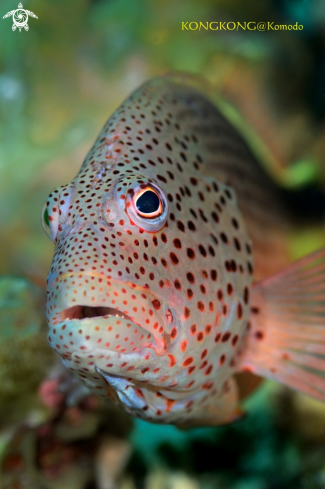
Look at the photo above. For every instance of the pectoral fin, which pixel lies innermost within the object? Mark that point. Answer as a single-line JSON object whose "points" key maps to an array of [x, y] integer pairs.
{"points": [[286, 340]]}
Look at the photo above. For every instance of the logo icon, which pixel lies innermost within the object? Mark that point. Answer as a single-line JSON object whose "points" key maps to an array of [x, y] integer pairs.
{"points": [[20, 18]]}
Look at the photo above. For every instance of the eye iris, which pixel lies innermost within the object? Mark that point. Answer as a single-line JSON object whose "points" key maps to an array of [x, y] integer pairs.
{"points": [[46, 217], [148, 202]]}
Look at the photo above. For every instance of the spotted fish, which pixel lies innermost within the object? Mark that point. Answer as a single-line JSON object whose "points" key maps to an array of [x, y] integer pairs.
{"points": [[152, 297]]}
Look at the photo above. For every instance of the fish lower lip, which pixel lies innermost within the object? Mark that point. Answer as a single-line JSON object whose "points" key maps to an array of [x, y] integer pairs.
{"points": [[81, 312]]}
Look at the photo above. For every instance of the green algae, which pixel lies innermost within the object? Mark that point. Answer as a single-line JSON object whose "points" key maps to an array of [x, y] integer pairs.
{"points": [[25, 357]]}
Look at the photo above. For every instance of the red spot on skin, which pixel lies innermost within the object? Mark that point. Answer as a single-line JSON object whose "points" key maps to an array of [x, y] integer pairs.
{"points": [[222, 359], [225, 336], [214, 275], [204, 353], [173, 333], [200, 336], [200, 306], [156, 304], [177, 284], [189, 384], [190, 277], [187, 312], [177, 243], [139, 392], [183, 345], [234, 340], [172, 360], [169, 404], [259, 335], [217, 337], [190, 370], [207, 385], [173, 258], [208, 328], [239, 311], [246, 295], [204, 364], [187, 361], [193, 329], [217, 319], [190, 253], [208, 370]]}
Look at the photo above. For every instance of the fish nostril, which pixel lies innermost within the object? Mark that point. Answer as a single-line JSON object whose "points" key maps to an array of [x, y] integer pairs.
{"points": [[169, 316]]}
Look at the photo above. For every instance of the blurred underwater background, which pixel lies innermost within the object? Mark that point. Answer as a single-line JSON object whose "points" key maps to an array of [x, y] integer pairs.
{"points": [[59, 83]]}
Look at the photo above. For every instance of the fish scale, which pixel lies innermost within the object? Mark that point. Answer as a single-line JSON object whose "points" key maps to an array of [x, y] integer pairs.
{"points": [[153, 312]]}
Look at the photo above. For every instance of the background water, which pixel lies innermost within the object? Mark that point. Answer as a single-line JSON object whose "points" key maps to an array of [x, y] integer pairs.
{"points": [[59, 82]]}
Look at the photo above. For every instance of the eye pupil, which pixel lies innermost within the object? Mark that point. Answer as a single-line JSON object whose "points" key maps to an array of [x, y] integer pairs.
{"points": [[148, 202]]}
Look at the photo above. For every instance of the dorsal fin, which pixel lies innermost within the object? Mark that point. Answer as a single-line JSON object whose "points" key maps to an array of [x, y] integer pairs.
{"points": [[271, 211]]}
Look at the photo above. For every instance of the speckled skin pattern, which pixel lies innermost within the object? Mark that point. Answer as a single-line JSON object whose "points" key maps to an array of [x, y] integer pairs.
{"points": [[152, 313]]}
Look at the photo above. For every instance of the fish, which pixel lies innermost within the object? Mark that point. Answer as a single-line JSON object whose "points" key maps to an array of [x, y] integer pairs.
{"points": [[171, 273]]}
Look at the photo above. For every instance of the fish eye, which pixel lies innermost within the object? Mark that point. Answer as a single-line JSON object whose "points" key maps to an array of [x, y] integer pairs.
{"points": [[148, 204], [50, 222]]}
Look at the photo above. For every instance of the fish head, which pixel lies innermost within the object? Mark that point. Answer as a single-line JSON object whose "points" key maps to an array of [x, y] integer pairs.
{"points": [[148, 292]]}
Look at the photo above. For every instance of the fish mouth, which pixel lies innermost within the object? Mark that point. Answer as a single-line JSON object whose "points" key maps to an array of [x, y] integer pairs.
{"points": [[83, 329], [115, 315], [82, 311]]}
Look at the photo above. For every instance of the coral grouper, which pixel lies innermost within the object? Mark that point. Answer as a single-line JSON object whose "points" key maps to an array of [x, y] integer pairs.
{"points": [[158, 292]]}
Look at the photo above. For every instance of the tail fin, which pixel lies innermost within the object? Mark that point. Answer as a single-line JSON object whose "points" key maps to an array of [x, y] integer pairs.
{"points": [[286, 340]]}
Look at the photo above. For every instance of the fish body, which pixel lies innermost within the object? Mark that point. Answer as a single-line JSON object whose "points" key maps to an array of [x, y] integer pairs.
{"points": [[151, 287]]}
